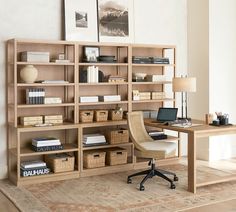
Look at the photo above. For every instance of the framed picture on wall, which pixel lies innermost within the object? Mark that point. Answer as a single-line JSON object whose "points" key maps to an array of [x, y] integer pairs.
{"points": [[81, 20], [115, 21]]}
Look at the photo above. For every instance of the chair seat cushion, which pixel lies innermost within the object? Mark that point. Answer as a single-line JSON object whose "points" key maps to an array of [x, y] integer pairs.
{"points": [[160, 146]]}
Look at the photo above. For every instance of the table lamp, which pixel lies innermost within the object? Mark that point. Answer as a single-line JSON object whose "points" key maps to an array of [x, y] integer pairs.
{"points": [[184, 85]]}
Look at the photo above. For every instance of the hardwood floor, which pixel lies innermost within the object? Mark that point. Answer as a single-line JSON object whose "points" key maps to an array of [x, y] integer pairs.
{"points": [[6, 204]]}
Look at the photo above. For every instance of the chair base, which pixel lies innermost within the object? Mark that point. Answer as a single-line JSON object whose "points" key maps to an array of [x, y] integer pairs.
{"points": [[151, 173]]}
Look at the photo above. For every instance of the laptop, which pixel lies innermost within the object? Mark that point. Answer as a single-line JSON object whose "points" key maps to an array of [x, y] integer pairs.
{"points": [[166, 114]]}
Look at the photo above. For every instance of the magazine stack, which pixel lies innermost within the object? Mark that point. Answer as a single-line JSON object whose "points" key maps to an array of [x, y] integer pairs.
{"points": [[46, 144], [32, 168]]}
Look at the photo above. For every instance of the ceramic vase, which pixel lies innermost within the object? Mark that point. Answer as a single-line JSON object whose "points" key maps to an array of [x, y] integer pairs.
{"points": [[29, 74]]}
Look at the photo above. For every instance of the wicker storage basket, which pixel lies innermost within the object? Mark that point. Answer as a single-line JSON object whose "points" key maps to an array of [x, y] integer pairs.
{"points": [[101, 115], [116, 156], [117, 136], [60, 162], [115, 115], [86, 116], [94, 159]]}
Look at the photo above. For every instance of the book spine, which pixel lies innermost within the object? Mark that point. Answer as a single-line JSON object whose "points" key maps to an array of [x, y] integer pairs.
{"points": [[33, 165], [47, 148], [26, 173]]}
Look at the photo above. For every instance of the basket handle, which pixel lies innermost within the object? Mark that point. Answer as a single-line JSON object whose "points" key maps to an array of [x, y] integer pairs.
{"points": [[102, 112], [88, 113], [119, 153], [64, 159], [121, 131], [96, 156]]}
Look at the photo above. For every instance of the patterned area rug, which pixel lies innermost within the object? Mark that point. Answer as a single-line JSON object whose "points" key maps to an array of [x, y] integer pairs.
{"points": [[110, 193]]}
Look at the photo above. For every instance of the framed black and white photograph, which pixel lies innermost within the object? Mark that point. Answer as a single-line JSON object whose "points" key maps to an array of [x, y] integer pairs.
{"points": [[115, 20], [91, 53], [81, 20]]}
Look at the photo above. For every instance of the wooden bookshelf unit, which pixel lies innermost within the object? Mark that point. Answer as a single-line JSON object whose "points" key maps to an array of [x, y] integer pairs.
{"points": [[71, 131]]}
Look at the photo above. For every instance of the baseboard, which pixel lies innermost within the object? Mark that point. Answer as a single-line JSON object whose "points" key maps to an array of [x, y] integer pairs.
{"points": [[3, 172]]}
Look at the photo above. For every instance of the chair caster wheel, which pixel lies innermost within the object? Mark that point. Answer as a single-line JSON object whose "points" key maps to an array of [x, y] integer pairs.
{"points": [[176, 178], [141, 188], [172, 186], [129, 181]]}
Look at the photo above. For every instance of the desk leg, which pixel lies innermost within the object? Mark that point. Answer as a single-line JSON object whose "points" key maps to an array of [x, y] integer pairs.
{"points": [[192, 169]]}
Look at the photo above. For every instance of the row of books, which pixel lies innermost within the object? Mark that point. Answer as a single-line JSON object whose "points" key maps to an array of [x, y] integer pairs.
{"points": [[37, 96], [106, 98], [46, 144], [32, 168]]}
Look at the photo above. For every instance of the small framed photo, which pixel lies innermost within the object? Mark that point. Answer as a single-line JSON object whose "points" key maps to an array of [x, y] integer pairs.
{"points": [[91, 53]]}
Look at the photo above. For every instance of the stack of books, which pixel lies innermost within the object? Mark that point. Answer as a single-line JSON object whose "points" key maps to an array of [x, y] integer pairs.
{"points": [[53, 119], [32, 168], [35, 95], [46, 144], [116, 79], [28, 56], [52, 100], [51, 81], [94, 139], [110, 98]]}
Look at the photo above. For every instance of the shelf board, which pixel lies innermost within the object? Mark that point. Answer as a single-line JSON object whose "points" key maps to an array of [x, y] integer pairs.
{"points": [[44, 84], [67, 148], [22, 179], [102, 103], [103, 83], [107, 146], [64, 126], [153, 65], [153, 100], [45, 105], [152, 83], [45, 63], [104, 123], [103, 64]]}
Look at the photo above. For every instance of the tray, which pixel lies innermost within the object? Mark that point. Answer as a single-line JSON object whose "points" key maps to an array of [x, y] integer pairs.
{"points": [[218, 125]]}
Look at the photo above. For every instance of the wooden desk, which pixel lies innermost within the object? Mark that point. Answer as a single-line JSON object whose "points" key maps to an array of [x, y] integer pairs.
{"points": [[194, 133]]}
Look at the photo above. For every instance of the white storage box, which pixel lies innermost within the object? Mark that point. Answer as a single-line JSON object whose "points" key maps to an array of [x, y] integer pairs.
{"points": [[88, 99], [35, 57]]}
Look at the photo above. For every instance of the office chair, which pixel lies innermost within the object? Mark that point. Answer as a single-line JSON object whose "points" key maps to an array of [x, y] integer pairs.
{"points": [[146, 147]]}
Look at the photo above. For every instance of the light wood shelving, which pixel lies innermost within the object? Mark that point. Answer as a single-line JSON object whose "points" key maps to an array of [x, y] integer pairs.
{"points": [[71, 133]]}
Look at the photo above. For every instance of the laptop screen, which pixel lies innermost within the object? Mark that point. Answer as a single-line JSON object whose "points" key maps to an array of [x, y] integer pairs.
{"points": [[167, 114]]}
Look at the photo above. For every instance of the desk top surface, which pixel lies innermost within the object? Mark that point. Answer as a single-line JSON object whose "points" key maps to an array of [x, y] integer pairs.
{"points": [[201, 129]]}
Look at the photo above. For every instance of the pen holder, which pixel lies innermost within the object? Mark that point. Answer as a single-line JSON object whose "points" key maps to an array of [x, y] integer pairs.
{"points": [[224, 120]]}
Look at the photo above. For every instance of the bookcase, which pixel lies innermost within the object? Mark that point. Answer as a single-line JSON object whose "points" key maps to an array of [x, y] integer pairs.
{"points": [[72, 130]]}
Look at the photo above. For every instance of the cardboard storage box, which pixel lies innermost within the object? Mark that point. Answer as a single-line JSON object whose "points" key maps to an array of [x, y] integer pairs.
{"points": [[35, 57]]}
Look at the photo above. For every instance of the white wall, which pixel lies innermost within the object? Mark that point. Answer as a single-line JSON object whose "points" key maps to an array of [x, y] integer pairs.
{"points": [[222, 74], [211, 58], [156, 21]]}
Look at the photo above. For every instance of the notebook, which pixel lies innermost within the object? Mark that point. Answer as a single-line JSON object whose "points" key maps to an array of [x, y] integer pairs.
{"points": [[166, 114]]}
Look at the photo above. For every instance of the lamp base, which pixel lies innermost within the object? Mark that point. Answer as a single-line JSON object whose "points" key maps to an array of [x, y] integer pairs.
{"points": [[184, 120]]}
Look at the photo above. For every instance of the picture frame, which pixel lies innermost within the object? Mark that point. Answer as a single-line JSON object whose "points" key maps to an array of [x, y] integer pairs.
{"points": [[80, 19], [115, 21], [91, 53]]}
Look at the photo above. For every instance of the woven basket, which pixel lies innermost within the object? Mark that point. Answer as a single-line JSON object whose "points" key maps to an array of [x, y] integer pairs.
{"points": [[116, 156], [117, 136], [86, 116], [101, 115], [115, 115], [60, 162], [94, 159]]}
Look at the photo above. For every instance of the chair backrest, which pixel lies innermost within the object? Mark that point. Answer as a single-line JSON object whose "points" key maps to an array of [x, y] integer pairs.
{"points": [[137, 129]]}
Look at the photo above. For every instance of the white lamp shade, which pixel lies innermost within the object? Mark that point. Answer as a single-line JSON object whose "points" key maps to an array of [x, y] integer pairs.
{"points": [[184, 84]]}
